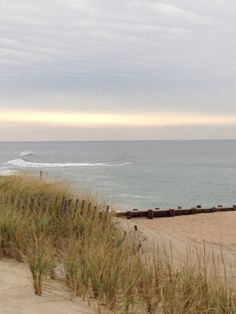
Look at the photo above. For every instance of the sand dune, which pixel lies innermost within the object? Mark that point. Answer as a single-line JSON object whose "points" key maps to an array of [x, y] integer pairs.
{"points": [[16, 294], [216, 230]]}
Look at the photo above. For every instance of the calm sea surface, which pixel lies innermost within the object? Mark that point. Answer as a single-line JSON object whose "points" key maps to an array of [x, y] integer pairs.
{"points": [[139, 174]]}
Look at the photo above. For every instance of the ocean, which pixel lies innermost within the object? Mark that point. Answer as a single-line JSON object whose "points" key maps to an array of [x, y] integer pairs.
{"points": [[134, 174]]}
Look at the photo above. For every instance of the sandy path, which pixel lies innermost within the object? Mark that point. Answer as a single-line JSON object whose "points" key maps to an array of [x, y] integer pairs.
{"points": [[16, 295]]}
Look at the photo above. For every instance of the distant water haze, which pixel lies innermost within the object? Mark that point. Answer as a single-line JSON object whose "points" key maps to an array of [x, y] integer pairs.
{"points": [[134, 174]]}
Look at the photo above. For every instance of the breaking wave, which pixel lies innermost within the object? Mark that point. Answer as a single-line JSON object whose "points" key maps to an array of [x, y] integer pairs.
{"points": [[26, 154], [23, 164]]}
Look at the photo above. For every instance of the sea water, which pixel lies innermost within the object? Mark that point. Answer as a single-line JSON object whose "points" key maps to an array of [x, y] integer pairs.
{"points": [[134, 174]]}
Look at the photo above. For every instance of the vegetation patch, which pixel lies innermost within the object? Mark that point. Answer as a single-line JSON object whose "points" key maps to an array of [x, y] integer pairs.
{"points": [[45, 224]]}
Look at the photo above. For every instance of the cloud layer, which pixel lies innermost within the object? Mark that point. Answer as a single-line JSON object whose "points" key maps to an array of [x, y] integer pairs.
{"points": [[101, 55]]}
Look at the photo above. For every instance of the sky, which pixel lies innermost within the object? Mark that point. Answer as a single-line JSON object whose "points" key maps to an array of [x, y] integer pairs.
{"points": [[117, 70]]}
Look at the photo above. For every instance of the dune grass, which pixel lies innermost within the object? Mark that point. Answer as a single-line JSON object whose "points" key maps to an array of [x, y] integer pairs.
{"points": [[45, 224]]}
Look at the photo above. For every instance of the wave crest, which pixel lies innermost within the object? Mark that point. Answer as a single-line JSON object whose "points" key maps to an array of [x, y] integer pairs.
{"points": [[20, 163], [26, 154]]}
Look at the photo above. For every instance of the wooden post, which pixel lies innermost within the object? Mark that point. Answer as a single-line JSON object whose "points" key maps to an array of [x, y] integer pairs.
{"points": [[77, 203], [82, 205], [56, 200], [129, 215], [193, 210], [41, 174], [107, 209], [63, 201], [65, 207], [171, 212], [89, 206], [150, 214]]}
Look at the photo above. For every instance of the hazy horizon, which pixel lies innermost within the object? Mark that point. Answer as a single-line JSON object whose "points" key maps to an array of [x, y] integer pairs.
{"points": [[127, 140]]}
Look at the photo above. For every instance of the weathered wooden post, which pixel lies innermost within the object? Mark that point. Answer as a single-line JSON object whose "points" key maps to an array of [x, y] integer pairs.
{"points": [[89, 207], [41, 174], [193, 210], [63, 201], [65, 207], [171, 212], [150, 214], [82, 205], [129, 214], [77, 203]]}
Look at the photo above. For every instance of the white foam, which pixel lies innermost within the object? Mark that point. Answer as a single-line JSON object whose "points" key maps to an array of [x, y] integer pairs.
{"points": [[26, 154], [23, 164]]}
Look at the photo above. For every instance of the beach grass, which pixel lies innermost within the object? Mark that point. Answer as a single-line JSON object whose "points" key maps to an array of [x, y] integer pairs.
{"points": [[45, 224]]}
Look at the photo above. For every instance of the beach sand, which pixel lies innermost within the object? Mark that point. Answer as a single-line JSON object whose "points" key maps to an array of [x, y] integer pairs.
{"points": [[214, 228], [214, 232], [17, 297]]}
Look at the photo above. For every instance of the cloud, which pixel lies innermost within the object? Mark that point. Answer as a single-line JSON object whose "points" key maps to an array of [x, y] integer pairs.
{"points": [[103, 55]]}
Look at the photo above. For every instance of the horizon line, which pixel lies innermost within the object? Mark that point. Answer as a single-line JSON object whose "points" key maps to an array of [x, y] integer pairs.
{"points": [[116, 140]]}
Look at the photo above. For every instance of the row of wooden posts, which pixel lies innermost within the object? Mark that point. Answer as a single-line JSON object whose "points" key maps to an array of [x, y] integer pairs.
{"points": [[66, 203], [159, 213]]}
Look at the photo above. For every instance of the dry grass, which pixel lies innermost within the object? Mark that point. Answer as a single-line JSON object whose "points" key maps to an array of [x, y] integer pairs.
{"points": [[45, 225]]}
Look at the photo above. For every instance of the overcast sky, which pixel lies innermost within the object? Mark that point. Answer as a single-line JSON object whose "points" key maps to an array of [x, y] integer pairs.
{"points": [[117, 69]]}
